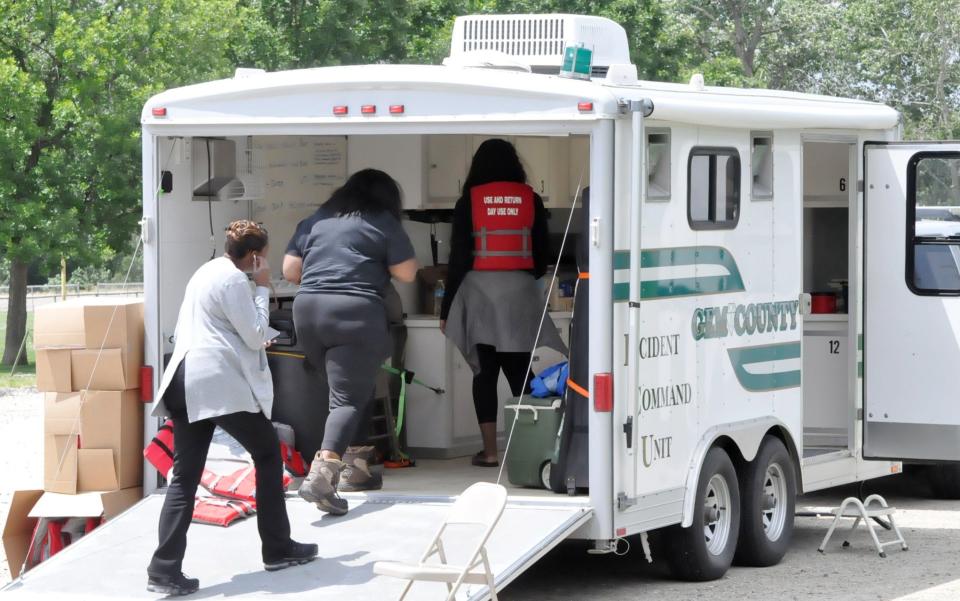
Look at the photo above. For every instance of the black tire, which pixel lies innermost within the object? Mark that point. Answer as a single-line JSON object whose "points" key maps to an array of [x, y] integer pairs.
{"points": [[945, 480], [687, 550], [768, 498]]}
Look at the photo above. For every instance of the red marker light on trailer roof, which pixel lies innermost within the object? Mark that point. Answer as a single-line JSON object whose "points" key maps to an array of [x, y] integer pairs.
{"points": [[368, 109], [603, 392], [585, 107], [159, 111], [340, 110], [396, 109]]}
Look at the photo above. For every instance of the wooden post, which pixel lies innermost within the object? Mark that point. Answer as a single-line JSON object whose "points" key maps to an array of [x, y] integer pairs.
{"points": [[63, 277]]}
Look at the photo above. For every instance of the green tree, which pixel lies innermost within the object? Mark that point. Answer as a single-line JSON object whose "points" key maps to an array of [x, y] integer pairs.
{"points": [[314, 33], [903, 53], [74, 75]]}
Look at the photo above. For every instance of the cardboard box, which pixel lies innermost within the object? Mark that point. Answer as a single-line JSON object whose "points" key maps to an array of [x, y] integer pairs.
{"points": [[60, 463], [86, 505], [112, 420], [61, 413], [89, 324], [110, 428], [54, 370], [18, 529], [110, 369]]}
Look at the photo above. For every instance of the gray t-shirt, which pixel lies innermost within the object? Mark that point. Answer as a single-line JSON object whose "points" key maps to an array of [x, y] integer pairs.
{"points": [[349, 254]]}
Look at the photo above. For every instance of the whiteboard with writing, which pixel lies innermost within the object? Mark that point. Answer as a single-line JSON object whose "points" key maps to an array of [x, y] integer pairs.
{"points": [[293, 176]]}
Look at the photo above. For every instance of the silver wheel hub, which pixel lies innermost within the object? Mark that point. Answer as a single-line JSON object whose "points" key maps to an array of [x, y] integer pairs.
{"points": [[774, 502], [717, 517]]}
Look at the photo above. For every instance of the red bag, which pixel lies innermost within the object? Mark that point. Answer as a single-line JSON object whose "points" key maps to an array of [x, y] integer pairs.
{"points": [[220, 512], [293, 460], [160, 450]]}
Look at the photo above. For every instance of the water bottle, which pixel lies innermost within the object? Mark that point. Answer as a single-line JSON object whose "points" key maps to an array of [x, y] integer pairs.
{"points": [[438, 292]]}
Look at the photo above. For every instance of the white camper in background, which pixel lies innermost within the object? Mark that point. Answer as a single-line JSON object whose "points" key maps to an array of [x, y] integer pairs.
{"points": [[714, 215]]}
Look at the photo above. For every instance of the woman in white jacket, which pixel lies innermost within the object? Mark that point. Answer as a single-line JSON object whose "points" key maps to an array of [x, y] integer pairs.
{"points": [[218, 376]]}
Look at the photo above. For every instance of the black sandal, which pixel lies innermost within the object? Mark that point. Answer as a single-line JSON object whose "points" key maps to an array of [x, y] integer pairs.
{"points": [[480, 461]]}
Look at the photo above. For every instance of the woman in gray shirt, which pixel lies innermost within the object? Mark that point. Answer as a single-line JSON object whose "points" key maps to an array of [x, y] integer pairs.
{"points": [[343, 257], [218, 376]]}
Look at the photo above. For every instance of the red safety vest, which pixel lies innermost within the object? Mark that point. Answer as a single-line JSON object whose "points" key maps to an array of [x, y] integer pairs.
{"points": [[503, 215]]}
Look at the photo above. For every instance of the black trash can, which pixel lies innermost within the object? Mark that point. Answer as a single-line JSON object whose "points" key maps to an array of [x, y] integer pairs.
{"points": [[300, 394]]}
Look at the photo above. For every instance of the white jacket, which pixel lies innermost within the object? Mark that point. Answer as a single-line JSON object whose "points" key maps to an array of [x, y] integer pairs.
{"points": [[220, 335]]}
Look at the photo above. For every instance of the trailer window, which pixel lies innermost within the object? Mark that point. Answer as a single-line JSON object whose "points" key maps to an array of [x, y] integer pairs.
{"points": [[761, 166], [933, 224], [713, 188], [658, 164]]}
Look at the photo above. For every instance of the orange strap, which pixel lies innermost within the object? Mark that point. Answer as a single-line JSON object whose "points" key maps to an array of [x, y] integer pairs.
{"points": [[578, 389], [584, 275]]}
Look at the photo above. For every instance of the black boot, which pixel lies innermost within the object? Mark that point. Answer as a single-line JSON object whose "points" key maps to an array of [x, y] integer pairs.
{"points": [[173, 586], [296, 554]]}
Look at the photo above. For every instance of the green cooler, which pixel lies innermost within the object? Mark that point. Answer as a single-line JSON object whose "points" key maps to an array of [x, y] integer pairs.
{"points": [[534, 439]]}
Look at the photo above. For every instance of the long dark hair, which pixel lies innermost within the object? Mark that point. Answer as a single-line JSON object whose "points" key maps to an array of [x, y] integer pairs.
{"points": [[366, 191], [496, 160]]}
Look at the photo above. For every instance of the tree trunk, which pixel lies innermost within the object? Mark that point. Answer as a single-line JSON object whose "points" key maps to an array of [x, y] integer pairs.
{"points": [[16, 314]]}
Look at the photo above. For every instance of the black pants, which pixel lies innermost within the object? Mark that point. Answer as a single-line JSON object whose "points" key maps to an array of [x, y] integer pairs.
{"points": [[191, 441], [514, 366], [346, 338]]}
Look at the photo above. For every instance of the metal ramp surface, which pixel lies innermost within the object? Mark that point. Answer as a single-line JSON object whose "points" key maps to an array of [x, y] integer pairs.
{"points": [[110, 563]]}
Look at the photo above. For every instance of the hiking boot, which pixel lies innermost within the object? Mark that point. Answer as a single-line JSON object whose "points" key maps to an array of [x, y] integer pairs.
{"points": [[357, 477], [296, 554], [173, 586], [320, 486], [368, 453]]}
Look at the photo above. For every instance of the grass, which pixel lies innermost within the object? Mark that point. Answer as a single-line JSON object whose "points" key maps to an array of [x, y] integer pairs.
{"points": [[25, 376]]}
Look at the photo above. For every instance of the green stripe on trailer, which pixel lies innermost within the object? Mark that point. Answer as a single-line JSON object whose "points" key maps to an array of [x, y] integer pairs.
{"points": [[686, 286], [740, 358]]}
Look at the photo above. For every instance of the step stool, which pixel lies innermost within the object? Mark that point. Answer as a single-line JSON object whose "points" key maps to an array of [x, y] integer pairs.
{"points": [[873, 507]]}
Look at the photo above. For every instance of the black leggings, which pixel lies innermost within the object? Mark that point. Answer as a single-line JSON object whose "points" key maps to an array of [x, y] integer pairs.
{"points": [[345, 337], [514, 366], [191, 441]]}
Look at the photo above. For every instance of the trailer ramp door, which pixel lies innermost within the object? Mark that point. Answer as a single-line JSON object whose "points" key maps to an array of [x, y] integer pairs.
{"points": [[911, 324], [110, 563]]}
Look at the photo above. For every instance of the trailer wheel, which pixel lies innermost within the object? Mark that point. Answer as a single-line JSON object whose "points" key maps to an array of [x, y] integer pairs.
{"points": [[768, 497], [945, 480], [705, 550]]}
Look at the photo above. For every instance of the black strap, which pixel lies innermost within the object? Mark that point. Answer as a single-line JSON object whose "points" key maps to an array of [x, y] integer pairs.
{"points": [[163, 447]]}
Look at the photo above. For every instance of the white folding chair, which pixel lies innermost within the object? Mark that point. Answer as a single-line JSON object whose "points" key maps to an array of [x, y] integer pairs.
{"points": [[479, 506]]}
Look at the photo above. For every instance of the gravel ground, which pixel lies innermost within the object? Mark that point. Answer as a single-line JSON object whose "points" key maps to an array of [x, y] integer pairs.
{"points": [[930, 571], [21, 450]]}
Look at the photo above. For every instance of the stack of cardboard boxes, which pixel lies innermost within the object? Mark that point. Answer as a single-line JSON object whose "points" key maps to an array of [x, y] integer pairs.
{"points": [[88, 358]]}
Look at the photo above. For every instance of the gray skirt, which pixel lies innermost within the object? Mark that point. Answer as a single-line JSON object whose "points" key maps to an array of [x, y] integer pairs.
{"points": [[501, 309]]}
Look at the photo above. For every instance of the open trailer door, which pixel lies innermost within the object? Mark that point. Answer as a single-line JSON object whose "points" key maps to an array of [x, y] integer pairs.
{"points": [[110, 563], [911, 329]]}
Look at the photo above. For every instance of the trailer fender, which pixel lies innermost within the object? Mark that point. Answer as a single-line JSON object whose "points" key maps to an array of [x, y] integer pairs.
{"points": [[745, 436]]}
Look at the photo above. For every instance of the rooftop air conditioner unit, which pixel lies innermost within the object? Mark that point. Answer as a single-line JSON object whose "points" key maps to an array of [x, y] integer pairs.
{"points": [[539, 42]]}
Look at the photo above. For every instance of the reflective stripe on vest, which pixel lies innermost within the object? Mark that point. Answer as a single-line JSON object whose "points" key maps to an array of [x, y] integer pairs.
{"points": [[503, 214]]}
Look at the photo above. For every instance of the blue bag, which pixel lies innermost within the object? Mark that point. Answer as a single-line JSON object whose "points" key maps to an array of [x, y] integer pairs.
{"points": [[551, 382]]}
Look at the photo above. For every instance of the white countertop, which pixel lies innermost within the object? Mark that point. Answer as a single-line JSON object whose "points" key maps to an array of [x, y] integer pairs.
{"points": [[429, 321]]}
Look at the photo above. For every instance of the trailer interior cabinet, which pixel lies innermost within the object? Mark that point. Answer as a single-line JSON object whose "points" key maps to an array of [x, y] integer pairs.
{"points": [[546, 161], [825, 401]]}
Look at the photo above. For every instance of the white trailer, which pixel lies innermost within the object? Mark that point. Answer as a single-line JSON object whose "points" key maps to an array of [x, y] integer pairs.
{"points": [[714, 214]]}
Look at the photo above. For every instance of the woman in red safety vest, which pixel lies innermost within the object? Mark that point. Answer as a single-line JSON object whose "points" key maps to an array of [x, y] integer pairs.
{"points": [[492, 304]]}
